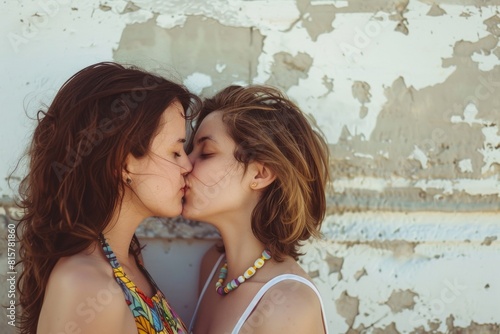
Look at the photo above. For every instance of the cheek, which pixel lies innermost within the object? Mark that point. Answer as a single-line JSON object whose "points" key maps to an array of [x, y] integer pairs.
{"points": [[170, 174], [213, 174], [220, 195], [203, 172], [205, 192]]}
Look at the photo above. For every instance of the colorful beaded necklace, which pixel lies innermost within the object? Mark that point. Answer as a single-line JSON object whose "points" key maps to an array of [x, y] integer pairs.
{"points": [[266, 255]]}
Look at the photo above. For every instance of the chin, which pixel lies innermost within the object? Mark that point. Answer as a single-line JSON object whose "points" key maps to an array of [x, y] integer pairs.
{"points": [[186, 212], [189, 212], [174, 212], [196, 207]]}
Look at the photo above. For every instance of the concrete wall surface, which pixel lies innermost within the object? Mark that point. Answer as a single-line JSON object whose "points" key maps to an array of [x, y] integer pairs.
{"points": [[406, 92]]}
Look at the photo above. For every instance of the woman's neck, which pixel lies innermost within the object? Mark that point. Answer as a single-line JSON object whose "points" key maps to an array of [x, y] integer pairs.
{"points": [[241, 246], [120, 231]]}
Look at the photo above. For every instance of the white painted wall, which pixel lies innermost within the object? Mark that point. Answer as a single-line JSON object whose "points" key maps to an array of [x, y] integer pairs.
{"points": [[45, 41], [405, 91], [373, 270]]}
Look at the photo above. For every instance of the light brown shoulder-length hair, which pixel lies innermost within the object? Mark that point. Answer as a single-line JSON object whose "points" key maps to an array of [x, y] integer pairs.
{"points": [[76, 158], [269, 128]]}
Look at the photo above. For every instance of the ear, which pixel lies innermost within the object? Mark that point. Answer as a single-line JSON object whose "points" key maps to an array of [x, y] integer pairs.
{"points": [[262, 176], [126, 168]]}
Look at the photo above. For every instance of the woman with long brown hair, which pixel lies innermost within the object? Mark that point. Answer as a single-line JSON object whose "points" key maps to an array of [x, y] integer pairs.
{"points": [[106, 154], [259, 176]]}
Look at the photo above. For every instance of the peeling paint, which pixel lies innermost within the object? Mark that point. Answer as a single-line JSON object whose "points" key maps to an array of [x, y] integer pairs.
{"points": [[359, 274], [316, 18], [406, 93], [488, 240], [401, 8], [334, 263], [347, 307], [153, 47], [436, 10], [390, 329], [288, 70], [361, 91], [420, 156], [491, 150], [197, 82], [465, 166], [401, 300], [486, 62], [423, 289], [387, 227]]}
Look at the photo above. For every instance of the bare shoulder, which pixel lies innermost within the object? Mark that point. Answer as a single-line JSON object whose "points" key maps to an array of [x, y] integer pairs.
{"points": [[80, 267], [82, 296], [207, 264], [289, 306]]}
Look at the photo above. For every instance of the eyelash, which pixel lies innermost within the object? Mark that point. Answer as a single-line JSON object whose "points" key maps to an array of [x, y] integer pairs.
{"points": [[177, 154]]}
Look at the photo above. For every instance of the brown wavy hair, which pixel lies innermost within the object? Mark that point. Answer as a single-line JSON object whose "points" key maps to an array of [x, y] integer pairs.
{"points": [[76, 157], [269, 128]]}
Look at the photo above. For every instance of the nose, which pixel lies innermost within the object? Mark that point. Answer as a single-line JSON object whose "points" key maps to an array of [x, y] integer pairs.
{"points": [[191, 158], [187, 166]]}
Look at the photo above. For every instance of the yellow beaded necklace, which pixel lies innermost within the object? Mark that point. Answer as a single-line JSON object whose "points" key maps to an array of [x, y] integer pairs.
{"points": [[266, 255]]}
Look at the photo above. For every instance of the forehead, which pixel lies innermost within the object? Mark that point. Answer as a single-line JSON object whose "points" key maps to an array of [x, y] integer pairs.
{"points": [[172, 122], [213, 126]]}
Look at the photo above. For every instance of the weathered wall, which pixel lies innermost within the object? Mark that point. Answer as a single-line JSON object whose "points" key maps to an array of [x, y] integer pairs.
{"points": [[406, 92]]}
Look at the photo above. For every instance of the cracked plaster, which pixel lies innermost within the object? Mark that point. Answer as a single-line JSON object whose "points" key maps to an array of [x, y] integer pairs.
{"points": [[394, 85]]}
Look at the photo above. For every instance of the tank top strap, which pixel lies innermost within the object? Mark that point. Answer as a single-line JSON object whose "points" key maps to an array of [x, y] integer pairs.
{"points": [[209, 278], [269, 285], [108, 252], [152, 314]]}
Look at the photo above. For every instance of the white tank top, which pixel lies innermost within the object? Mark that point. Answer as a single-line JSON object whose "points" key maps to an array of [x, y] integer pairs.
{"points": [[257, 297]]}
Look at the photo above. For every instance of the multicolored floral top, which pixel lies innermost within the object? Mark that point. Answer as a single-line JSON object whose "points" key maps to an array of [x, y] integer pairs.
{"points": [[152, 315]]}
